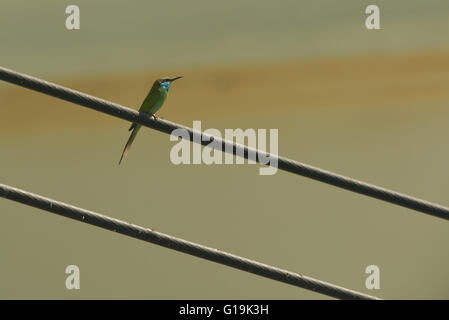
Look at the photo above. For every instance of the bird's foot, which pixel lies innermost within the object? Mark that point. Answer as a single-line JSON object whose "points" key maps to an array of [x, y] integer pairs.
{"points": [[155, 117]]}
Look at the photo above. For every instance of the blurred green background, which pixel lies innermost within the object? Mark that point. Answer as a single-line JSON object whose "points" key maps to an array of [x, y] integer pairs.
{"points": [[370, 104]]}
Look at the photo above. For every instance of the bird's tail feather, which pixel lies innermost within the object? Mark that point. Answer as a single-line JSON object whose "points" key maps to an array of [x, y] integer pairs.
{"points": [[130, 141]]}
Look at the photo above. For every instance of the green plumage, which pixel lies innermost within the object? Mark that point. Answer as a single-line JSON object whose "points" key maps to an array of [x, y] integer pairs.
{"points": [[152, 103]]}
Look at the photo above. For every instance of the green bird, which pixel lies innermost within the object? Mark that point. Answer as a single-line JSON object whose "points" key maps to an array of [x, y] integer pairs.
{"points": [[152, 103]]}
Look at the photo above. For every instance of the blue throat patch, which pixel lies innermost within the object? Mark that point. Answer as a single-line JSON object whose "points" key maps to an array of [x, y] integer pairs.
{"points": [[165, 86]]}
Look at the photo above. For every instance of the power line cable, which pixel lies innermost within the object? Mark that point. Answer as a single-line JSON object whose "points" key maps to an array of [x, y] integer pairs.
{"points": [[170, 242], [260, 156]]}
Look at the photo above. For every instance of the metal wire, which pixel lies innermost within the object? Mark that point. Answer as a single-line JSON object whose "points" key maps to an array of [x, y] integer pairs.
{"points": [[166, 126], [178, 244]]}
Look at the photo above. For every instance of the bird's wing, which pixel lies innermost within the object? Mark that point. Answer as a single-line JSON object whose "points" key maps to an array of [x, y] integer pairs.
{"points": [[151, 100]]}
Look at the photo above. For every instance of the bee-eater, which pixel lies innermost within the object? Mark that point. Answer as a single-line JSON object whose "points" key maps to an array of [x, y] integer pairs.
{"points": [[152, 103]]}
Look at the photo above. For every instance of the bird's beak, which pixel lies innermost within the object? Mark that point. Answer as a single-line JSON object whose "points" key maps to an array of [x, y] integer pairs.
{"points": [[175, 78]]}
